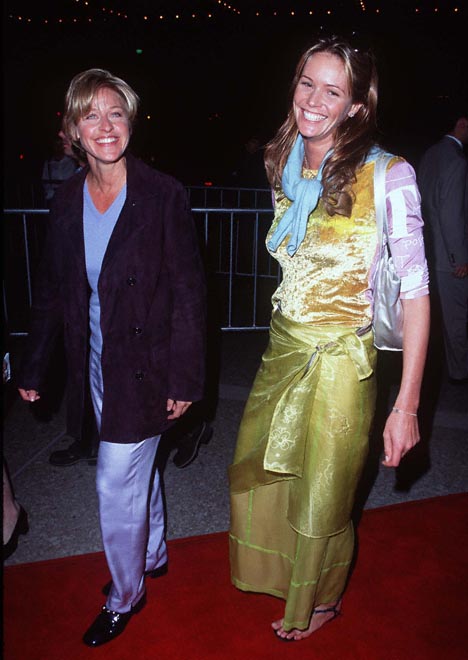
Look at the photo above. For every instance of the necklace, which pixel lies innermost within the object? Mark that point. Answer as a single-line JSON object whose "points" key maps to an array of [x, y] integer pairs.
{"points": [[313, 173]]}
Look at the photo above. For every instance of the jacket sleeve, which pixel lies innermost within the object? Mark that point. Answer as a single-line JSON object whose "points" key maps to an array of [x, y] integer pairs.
{"points": [[452, 216], [188, 318], [46, 316]]}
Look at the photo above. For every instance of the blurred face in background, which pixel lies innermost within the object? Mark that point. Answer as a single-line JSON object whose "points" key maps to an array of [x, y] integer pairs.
{"points": [[66, 144]]}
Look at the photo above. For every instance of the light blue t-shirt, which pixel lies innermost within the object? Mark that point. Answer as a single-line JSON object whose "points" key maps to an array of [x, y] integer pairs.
{"points": [[97, 228]]}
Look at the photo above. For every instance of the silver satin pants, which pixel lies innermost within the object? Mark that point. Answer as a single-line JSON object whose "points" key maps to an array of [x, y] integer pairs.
{"points": [[131, 510]]}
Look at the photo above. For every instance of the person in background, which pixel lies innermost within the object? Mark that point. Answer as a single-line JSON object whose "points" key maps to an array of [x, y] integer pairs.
{"points": [[67, 161], [122, 274], [83, 448], [15, 518], [250, 169], [304, 435], [192, 433], [63, 164], [443, 182]]}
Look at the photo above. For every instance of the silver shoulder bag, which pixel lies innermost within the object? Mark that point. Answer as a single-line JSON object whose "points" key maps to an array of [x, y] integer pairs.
{"points": [[388, 310]]}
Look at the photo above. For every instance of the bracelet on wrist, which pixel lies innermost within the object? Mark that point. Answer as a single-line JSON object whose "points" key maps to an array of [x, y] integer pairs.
{"points": [[405, 412]]}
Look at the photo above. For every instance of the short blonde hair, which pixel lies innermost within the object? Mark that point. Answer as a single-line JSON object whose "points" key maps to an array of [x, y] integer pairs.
{"points": [[83, 89]]}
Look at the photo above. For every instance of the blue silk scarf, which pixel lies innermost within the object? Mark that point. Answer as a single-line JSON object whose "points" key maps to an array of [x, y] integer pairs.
{"points": [[304, 194]]}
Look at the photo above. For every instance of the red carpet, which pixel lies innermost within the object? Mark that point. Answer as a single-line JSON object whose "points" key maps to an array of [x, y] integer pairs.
{"points": [[406, 601]]}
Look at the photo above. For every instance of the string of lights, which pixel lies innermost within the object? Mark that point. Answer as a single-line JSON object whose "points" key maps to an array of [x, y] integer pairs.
{"points": [[85, 11], [229, 7]]}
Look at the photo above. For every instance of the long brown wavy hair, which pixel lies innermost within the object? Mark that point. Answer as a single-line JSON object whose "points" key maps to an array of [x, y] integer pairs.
{"points": [[354, 136]]}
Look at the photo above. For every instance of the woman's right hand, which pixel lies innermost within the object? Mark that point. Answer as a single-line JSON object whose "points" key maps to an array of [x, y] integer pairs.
{"points": [[29, 395]]}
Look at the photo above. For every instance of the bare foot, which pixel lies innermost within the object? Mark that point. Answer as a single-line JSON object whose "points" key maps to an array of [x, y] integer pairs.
{"points": [[281, 632], [321, 615]]}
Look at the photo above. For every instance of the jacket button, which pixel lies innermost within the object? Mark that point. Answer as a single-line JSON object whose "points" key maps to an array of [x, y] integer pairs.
{"points": [[137, 331], [131, 281], [139, 375]]}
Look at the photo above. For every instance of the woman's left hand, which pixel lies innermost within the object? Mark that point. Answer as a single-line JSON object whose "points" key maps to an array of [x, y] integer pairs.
{"points": [[400, 435], [177, 408], [401, 431]]}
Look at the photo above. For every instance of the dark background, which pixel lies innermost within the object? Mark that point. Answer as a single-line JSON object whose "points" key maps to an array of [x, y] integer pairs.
{"points": [[210, 82]]}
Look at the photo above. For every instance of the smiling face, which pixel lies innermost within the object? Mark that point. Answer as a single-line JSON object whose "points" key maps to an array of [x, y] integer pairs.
{"points": [[322, 99], [104, 131]]}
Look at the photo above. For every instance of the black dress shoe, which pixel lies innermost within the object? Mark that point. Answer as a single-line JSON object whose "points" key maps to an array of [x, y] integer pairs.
{"points": [[157, 572], [190, 444], [70, 456], [21, 527], [108, 624]]}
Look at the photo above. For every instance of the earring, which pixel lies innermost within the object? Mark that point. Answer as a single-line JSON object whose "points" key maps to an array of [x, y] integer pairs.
{"points": [[351, 115]]}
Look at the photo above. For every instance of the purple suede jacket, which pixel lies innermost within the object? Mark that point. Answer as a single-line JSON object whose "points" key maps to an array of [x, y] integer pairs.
{"points": [[152, 295]]}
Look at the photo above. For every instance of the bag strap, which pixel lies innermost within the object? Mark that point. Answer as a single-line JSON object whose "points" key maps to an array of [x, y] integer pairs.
{"points": [[380, 170]]}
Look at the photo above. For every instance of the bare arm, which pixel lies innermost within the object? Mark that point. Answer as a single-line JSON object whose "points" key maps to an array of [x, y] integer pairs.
{"points": [[401, 431]]}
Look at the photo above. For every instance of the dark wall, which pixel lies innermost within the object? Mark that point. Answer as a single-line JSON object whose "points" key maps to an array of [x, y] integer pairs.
{"points": [[208, 86]]}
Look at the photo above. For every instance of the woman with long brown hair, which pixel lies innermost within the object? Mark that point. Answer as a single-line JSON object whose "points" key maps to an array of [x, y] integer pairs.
{"points": [[303, 439]]}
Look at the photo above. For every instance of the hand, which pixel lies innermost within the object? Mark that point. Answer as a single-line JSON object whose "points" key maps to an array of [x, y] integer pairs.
{"points": [[400, 435], [29, 395], [177, 408], [461, 271]]}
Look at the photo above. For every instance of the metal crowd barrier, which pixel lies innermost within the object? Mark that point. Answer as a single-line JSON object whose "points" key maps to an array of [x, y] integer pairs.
{"points": [[241, 275]]}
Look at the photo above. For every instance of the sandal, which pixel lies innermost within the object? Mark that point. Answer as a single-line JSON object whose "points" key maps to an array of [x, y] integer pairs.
{"points": [[334, 609]]}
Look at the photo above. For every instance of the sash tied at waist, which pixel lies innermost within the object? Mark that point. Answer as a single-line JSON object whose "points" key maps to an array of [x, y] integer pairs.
{"points": [[286, 441], [307, 422]]}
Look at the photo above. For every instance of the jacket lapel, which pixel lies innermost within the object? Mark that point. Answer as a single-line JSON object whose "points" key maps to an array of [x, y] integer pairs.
{"points": [[130, 219]]}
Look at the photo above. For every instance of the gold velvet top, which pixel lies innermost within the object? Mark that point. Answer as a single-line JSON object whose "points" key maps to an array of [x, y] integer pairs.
{"points": [[326, 281]]}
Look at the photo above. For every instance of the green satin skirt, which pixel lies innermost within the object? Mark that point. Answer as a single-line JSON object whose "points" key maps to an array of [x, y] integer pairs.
{"points": [[302, 444]]}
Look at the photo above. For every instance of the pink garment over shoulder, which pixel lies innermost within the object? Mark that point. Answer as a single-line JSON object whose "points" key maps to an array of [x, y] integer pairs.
{"points": [[405, 226]]}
